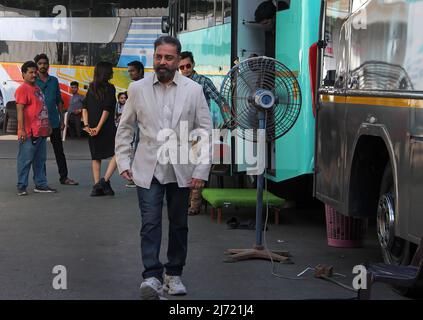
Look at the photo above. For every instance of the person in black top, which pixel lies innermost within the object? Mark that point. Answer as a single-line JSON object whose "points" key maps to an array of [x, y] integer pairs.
{"points": [[98, 115]]}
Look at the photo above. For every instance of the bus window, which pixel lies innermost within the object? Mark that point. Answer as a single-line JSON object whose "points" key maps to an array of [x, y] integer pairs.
{"points": [[332, 70], [227, 11], [219, 12], [386, 47], [210, 16]]}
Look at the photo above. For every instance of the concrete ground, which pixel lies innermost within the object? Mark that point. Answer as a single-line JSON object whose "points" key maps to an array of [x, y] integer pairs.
{"points": [[97, 240]]}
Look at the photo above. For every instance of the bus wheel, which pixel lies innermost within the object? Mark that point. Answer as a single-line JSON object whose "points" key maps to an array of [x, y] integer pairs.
{"points": [[395, 250]]}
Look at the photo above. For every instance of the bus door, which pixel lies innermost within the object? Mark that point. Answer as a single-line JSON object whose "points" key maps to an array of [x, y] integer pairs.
{"points": [[415, 220], [331, 110], [250, 35], [414, 67]]}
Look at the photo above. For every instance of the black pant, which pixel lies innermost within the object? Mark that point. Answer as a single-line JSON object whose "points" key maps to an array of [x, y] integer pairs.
{"points": [[56, 141], [151, 203], [74, 126]]}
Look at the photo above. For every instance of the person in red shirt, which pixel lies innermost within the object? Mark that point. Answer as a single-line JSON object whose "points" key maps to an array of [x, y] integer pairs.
{"points": [[33, 128]]}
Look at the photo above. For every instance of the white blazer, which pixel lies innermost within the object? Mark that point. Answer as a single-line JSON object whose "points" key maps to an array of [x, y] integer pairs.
{"points": [[141, 108]]}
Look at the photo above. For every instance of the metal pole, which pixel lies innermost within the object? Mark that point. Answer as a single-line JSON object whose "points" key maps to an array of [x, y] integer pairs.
{"points": [[260, 187]]}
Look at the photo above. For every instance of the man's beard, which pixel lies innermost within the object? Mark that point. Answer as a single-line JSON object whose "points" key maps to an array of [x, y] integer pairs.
{"points": [[164, 74]]}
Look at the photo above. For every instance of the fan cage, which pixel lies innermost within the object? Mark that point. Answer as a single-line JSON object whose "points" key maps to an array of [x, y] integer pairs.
{"points": [[242, 83]]}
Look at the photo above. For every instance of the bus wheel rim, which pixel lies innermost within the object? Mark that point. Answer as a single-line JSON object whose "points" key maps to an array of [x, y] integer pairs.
{"points": [[386, 221]]}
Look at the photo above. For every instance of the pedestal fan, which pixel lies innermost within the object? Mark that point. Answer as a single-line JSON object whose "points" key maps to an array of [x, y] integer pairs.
{"points": [[262, 94]]}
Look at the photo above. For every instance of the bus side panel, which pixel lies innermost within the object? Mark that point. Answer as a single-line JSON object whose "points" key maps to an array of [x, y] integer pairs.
{"points": [[330, 150], [297, 29], [11, 78], [383, 142]]}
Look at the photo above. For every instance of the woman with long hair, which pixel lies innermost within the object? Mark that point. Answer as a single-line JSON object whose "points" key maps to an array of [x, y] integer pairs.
{"points": [[98, 115]]}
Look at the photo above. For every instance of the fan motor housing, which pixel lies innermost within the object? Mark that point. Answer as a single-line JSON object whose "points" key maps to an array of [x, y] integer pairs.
{"points": [[264, 99]]}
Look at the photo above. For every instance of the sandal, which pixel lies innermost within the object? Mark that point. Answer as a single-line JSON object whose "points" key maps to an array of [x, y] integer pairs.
{"points": [[193, 212], [69, 182]]}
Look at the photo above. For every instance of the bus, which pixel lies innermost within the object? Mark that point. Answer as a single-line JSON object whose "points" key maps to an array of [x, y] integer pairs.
{"points": [[76, 35], [369, 135], [219, 32]]}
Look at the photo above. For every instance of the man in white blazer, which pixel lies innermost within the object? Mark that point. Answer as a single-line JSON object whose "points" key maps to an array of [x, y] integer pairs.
{"points": [[167, 107]]}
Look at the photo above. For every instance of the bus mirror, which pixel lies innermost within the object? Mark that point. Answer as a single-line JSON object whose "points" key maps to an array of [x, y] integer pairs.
{"points": [[165, 24]]}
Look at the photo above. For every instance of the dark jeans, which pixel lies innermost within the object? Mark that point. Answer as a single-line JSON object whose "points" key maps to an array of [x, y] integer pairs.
{"points": [[56, 141], [74, 124], [32, 154], [151, 204]]}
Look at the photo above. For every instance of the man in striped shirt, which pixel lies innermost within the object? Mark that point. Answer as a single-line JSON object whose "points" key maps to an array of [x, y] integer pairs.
{"points": [[186, 67]]}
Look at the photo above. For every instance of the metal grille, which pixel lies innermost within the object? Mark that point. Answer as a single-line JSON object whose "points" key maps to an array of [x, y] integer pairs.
{"points": [[240, 86]]}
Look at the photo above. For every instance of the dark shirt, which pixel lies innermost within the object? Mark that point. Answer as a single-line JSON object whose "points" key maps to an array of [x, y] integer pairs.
{"points": [[51, 91]]}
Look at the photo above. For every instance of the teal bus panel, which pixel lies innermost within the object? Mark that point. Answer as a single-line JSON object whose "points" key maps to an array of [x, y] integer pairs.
{"points": [[211, 48], [296, 30]]}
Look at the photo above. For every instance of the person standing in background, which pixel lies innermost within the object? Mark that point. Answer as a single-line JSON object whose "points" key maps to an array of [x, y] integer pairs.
{"points": [[75, 111], [186, 66], [53, 99], [33, 128], [122, 97], [136, 72], [98, 115]]}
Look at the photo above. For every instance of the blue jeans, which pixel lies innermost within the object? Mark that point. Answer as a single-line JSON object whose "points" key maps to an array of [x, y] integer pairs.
{"points": [[151, 204], [34, 154]]}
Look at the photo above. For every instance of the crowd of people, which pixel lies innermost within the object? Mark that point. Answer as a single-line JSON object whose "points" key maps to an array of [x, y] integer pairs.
{"points": [[124, 128]]}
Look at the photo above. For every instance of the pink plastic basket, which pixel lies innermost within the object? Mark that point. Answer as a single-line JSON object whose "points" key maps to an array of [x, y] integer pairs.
{"points": [[343, 231]]}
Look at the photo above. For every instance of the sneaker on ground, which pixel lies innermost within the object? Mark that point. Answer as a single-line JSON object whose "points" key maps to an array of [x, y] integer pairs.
{"points": [[174, 286], [151, 289], [22, 192], [107, 188], [131, 184], [46, 189], [97, 190]]}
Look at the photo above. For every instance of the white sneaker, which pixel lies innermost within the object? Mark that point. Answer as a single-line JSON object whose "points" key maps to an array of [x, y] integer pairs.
{"points": [[173, 285], [151, 289]]}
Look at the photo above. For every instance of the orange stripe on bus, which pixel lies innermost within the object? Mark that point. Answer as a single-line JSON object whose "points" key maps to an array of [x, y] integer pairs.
{"points": [[13, 71], [374, 101]]}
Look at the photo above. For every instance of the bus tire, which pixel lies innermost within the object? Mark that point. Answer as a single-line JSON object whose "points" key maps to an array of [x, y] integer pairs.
{"points": [[395, 250]]}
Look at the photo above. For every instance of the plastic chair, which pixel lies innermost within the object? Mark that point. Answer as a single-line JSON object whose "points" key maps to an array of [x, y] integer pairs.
{"points": [[407, 280]]}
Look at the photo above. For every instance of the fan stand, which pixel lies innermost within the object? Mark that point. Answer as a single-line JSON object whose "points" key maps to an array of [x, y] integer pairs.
{"points": [[258, 251]]}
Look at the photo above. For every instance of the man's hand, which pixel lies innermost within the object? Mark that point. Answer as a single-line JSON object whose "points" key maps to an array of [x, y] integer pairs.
{"points": [[22, 135], [127, 174], [62, 125], [50, 130], [196, 183]]}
